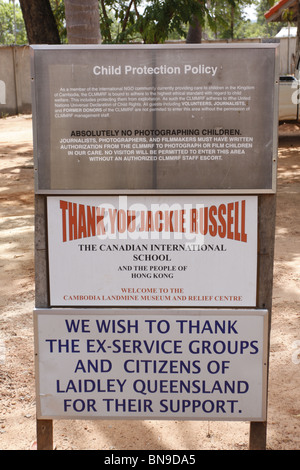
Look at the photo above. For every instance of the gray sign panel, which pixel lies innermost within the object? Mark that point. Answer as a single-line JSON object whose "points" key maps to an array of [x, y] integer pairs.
{"points": [[164, 118]]}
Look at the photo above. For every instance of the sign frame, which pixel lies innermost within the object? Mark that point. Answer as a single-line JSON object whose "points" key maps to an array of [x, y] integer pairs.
{"points": [[266, 228]]}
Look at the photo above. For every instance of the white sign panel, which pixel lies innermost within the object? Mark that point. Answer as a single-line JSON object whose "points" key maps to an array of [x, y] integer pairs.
{"points": [[158, 364], [152, 251]]}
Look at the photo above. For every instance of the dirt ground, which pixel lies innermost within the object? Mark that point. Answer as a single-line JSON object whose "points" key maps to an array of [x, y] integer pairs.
{"points": [[17, 377]]}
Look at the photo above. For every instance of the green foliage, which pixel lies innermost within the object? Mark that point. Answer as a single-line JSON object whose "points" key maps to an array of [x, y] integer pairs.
{"points": [[151, 21], [267, 29], [12, 28], [161, 18], [226, 18], [155, 21]]}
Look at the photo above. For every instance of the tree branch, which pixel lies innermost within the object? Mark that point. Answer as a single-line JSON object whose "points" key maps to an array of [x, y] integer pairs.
{"points": [[106, 20], [126, 17]]}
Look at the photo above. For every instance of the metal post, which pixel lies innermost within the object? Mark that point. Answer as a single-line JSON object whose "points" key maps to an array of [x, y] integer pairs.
{"points": [[44, 431], [266, 239]]}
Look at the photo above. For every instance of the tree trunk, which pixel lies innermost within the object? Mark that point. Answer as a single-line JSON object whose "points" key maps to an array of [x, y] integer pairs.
{"points": [[194, 35], [195, 29], [83, 21], [39, 21]]}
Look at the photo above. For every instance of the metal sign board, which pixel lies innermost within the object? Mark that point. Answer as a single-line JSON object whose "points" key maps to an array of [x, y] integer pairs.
{"points": [[151, 364], [145, 118], [152, 250]]}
